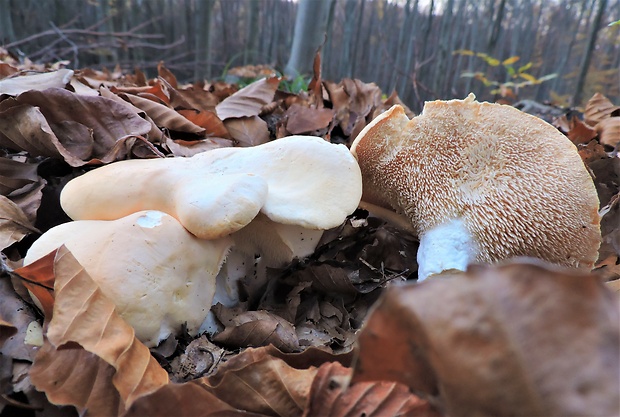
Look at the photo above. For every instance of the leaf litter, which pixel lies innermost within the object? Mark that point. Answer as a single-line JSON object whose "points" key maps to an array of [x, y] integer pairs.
{"points": [[290, 348]]}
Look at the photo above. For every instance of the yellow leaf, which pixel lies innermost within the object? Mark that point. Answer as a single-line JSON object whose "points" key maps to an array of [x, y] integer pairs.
{"points": [[511, 60]]}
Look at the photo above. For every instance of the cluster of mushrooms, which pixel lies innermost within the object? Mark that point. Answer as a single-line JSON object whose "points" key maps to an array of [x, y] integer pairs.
{"points": [[166, 239]]}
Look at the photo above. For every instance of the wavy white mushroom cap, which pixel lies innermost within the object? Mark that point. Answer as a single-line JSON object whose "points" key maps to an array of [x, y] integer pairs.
{"points": [[508, 184], [300, 180], [158, 274]]}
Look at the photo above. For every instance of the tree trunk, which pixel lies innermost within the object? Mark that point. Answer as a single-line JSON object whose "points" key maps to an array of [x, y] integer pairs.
{"points": [[251, 38], [7, 34], [310, 24], [587, 57], [202, 61]]}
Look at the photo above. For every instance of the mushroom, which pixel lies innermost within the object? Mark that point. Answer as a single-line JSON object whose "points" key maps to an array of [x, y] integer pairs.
{"points": [[481, 182], [159, 275], [273, 200], [300, 180]]}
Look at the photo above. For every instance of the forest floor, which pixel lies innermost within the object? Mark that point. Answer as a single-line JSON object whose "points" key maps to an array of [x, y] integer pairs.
{"points": [[304, 344]]}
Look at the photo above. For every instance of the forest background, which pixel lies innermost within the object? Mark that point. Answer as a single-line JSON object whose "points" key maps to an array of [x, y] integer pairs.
{"points": [[545, 50]]}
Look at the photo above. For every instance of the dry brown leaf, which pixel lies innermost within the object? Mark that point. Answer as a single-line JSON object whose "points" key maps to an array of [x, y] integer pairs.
{"points": [[248, 131], [15, 175], [165, 117], [7, 70], [165, 73], [592, 152], [516, 339], [598, 108], [580, 132], [38, 277], [610, 228], [155, 134], [109, 121], [259, 328], [331, 396], [257, 382], [302, 119], [198, 98], [207, 120], [180, 147], [189, 399], [14, 310], [83, 315], [73, 376], [249, 100], [6, 330], [609, 131], [14, 225], [24, 127], [17, 85]]}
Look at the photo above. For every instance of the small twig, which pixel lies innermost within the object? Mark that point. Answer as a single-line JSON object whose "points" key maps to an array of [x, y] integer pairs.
{"points": [[70, 42]]}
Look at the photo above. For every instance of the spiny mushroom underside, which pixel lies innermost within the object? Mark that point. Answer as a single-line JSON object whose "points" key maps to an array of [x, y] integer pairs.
{"points": [[518, 185]]}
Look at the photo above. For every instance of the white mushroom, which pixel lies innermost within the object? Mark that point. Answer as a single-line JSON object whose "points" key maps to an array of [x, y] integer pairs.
{"points": [[158, 274], [481, 182], [300, 180]]}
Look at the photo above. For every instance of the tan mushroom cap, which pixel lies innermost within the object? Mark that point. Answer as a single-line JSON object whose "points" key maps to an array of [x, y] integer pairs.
{"points": [[518, 185]]}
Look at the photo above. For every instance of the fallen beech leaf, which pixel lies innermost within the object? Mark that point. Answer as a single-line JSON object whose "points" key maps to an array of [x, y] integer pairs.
{"points": [[23, 127], [198, 98], [609, 131], [180, 147], [580, 132], [165, 73], [188, 399], [164, 116], [38, 278], [488, 341], [248, 131], [15, 311], [307, 119], [14, 225], [256, 382], [17, 85], [249, 100], [108, 120], [73, 376], [155, 134], [15, 175], [207, 120], [6, 330], [84, 315], [259, 328], [598, 108], [330, 395]]}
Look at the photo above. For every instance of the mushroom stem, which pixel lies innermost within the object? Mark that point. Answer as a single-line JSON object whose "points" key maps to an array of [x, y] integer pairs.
{"points": [[390, 216], [444, 247]]}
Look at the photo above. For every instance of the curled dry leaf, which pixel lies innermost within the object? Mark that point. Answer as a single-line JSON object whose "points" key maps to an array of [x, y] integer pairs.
{"points": [[302, 119], [83, 315], [248, 131], [609, 131], [6, 330], [38, 278], [23, 127], [249, 100], [252, 383], [331, 395], [108, 120], [14, 225], [164, 116], [487, 341], [17, 85], [180, 147], [207, 120], [258, 382], [76, 377], [598, 108], [15, 175], [259, 328]]}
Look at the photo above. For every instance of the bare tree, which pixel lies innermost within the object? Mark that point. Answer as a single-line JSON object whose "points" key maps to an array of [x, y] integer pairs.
{"points": [[310, 25], [587, 57]]}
